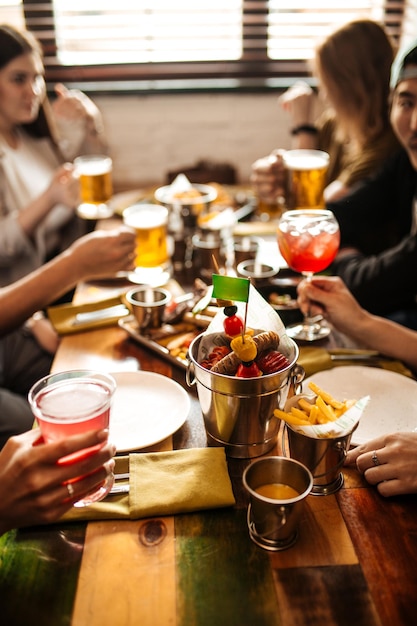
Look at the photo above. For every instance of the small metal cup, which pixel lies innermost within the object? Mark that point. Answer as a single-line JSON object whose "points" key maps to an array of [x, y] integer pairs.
{"points": [[207, 254], [273, 523], [324, 457], [256, 272], [148, 305], [245, 249]]}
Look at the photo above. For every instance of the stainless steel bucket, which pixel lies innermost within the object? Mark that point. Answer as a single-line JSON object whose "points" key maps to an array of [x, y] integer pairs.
{"points": [[238, 412]]}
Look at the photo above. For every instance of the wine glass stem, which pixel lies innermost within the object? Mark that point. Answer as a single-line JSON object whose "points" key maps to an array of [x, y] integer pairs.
{"points": [[309, 321]]}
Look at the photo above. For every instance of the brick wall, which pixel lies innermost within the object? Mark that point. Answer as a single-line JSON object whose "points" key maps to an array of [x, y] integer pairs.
{"points": [[152, 134]]}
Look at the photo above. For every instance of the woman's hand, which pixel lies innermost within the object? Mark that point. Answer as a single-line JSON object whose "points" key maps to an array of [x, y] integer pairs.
{"points": [[328, 296], [103, 253], [43, 331], [269, 177], [64, 187], [32, 483], [299, 101], [389, 462], [72, 104]]}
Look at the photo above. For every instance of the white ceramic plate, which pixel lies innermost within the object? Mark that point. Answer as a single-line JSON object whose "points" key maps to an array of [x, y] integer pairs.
{"points": [[147, 408], [393, 398]]}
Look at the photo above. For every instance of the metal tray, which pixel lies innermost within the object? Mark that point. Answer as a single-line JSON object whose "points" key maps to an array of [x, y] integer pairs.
{"points": [[129, 324]]}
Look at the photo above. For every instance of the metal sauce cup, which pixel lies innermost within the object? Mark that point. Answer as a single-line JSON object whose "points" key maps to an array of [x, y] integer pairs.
{"points": [[148, 305], [273, 523]]}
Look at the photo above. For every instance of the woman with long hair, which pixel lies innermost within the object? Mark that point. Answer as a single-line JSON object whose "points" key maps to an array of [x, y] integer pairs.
{"points": [[38, 190], [352, 67]]}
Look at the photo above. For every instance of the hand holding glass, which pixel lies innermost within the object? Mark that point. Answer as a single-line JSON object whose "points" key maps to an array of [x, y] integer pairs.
{"points": [[308, 240], [70, 403]]}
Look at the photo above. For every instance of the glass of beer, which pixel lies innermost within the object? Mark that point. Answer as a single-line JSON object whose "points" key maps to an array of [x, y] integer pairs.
{"points": [[71, 403], [307, 171], [152, 260], [94, 172]]}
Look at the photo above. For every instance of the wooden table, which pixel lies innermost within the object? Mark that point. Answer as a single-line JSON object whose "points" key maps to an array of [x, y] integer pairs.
{"points": [[354, 562]]}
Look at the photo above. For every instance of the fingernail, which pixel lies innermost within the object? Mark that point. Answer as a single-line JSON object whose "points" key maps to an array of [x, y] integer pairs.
{"points": [[110, 466], [102, 435]]}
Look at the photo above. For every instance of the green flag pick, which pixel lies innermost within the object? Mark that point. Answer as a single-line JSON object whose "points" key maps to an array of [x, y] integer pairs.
{"points": [[230, 288]]}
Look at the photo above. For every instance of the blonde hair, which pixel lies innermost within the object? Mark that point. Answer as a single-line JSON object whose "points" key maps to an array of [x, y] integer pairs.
{"points": [[353, 65]]}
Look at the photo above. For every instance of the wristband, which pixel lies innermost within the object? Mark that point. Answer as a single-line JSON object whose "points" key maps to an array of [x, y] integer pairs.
{"points": [[304, 128]]}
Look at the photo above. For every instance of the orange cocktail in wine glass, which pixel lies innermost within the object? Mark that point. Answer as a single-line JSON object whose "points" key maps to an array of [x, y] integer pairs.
{"points": [[308, 240]]}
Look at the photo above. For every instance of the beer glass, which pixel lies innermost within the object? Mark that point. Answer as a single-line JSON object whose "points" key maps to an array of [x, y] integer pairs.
{"points": [[152, 261], [307, 171], [96, 189]]}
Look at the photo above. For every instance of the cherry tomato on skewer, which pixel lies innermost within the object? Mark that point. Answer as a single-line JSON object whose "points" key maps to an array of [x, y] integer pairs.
{"points": [[248, 370], [233, 324]]}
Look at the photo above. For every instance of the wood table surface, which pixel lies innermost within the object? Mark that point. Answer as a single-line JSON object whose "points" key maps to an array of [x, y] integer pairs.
{"points": [[355, 561]]}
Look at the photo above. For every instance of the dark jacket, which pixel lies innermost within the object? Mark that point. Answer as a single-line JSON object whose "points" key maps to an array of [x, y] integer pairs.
{"points": [[376, 219]]}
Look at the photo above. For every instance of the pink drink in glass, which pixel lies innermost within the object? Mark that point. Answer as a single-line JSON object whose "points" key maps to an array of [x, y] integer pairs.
{"points": [[308, 242], [309, 254], [73, 403]]}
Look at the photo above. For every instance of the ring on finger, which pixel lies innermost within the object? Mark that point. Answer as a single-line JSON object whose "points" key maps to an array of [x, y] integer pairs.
{"points": [[375, 459], [70, 490]]}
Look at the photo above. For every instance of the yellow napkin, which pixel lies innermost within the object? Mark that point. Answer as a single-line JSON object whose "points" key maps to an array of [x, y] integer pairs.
{"points": [[63, 315], [314, 359], [165, 483]]}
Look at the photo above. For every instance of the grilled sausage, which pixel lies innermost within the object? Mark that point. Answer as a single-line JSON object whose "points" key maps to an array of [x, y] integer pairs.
{"points": [[228, 365]]}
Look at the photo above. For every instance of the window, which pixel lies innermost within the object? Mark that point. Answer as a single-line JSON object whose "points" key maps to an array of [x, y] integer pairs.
{"points": [[154, 44]]}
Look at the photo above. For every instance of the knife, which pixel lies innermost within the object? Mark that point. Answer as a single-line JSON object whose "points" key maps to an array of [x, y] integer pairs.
{"points": [[365, 355], [118, 310], [119, 489]]}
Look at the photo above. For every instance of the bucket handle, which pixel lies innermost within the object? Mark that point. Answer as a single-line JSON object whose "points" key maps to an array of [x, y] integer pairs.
{"points": [[281, 517], [297, 376], [190, 374]]}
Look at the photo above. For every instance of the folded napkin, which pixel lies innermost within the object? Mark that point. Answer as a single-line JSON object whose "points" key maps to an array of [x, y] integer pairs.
{"points": [[63, 316], [314, 359], [165, 483]]}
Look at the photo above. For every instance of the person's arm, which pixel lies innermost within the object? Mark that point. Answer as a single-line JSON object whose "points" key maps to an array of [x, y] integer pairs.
{"points": [[99, 254], [330, 297], [32, 483], [18, 228], [299, 101], [64, 189], [396, 471], [384, 282]]}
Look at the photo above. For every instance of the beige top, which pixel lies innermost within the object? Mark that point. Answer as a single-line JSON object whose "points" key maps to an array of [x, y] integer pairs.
{"points": [[25, 173]]}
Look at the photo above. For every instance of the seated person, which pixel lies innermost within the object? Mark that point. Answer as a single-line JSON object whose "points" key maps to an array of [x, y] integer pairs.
{"points": [[377, 221], [33, 485], [389, 461], [23, 360], [38, 189], [354, 130]]}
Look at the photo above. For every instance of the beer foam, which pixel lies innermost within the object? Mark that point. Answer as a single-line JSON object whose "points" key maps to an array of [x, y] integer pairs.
{"points": [[145, 218], [94, 168], [305, 162]]}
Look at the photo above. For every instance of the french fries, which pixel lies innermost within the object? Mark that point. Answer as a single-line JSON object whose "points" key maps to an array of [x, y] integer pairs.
{"points": [[324, 409]]}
